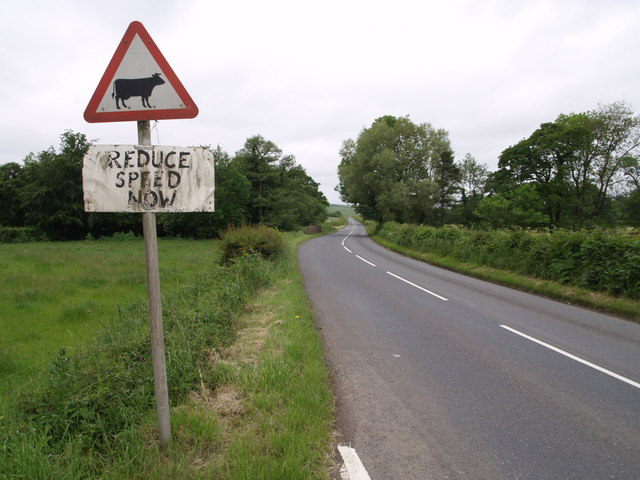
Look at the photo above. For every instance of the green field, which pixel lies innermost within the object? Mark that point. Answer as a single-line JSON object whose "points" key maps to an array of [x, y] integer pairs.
{"points": [[57, 295], [344, 210]]}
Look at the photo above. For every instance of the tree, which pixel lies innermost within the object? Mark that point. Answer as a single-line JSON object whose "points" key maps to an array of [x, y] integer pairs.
{"points": [[447, 176], [282, 195], [632, 173], [257, 161], [543, 159], [52, 196], [232, 194], [297, 201], [473, 180], [11, 182], [630, 206], [617, 139], [473, 176], [576, 161], [388, 173], [522, 207]]}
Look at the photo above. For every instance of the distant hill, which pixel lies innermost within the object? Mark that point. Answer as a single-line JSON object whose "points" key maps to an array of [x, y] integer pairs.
{"points": [[338, 210]]}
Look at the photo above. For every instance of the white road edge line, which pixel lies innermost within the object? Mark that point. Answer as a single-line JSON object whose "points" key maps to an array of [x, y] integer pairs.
{"points": [[353, 465], [573, 357], [418, 287], [366, 261]]}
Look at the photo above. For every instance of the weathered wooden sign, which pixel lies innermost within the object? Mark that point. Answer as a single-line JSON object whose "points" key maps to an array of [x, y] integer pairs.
{"points": [[138, 178]]}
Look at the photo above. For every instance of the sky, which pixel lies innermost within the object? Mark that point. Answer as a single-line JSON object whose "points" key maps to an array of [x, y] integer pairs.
{"points": [[309, 75]]}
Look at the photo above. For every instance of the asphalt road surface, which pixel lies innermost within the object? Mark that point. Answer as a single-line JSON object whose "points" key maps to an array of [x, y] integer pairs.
{"points": [[439, 376]]}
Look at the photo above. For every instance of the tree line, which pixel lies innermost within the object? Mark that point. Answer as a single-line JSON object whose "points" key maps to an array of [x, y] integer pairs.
{"points": [[581, 169], [258, 185]]}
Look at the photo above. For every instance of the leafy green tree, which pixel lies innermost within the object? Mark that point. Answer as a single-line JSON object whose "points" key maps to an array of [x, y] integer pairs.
{"points": [[232, 193], [544, 159], [298, 201], [258, 161], [473, 176], [617, 139], [578, 161], [282, 195], [494, 211], [448, 176], [522, 207], [473, 179], [11, 181], [388, 173], [52, 196], [630, 207]]}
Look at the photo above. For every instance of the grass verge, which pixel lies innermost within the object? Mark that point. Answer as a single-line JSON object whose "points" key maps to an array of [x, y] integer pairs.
{"points": [[274, 403], [623, 307], [271, 414]]}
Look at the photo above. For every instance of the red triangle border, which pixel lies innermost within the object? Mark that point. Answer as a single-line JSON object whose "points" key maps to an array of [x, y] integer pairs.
{"points": [[91, 113]]}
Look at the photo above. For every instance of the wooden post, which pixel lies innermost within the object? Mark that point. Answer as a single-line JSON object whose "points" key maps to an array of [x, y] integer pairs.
{"points": [[155, 310]]}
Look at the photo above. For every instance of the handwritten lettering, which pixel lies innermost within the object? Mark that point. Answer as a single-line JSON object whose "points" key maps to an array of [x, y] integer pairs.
{"points": [[150, 176]]}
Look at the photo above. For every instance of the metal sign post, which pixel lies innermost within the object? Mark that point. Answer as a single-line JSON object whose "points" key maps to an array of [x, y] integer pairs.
{"points": [[155, 310], [143, 178]]}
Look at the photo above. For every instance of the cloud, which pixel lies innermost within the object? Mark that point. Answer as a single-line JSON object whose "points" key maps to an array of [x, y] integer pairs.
{"points": [[310, 75]]}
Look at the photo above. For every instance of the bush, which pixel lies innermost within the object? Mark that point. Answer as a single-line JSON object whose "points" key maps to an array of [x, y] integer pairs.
{"points": [[122, 236], [19, 235], [597, 261], [260, 241]]}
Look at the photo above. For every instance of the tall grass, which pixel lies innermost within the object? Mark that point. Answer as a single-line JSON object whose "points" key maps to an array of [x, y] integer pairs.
{"points": [[249, 390], [58, 295], [82, 409]]}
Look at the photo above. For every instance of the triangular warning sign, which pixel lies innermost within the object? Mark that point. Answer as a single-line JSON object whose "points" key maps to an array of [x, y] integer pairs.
{"points": [[139, 84]]}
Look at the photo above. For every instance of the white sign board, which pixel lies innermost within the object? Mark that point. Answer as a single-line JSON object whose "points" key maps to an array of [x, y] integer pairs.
{"points": [[136, 178]]}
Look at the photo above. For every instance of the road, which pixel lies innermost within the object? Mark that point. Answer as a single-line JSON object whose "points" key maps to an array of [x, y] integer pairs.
{"points": [[440, 376]]}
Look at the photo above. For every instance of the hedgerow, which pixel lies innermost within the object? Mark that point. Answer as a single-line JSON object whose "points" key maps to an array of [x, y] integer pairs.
{"points": [[599, 260]]}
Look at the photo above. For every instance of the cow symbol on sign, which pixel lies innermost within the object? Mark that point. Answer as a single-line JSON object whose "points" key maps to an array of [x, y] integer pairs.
{"points": [[125, 88]]}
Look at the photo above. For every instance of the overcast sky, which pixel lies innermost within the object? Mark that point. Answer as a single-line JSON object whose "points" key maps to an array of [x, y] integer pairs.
{"points": [[308, 75]]}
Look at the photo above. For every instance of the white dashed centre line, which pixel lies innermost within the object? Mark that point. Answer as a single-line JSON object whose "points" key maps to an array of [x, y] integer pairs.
{"points": [[418, 287], [573, 357], [366, 261], [392, 274]]}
